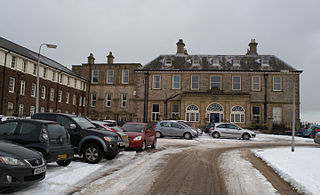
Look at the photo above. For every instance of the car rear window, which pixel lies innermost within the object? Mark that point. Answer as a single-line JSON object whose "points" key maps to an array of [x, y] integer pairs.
{"points": [[134, 127], [27, 128], [56, 132], [118, 129]]}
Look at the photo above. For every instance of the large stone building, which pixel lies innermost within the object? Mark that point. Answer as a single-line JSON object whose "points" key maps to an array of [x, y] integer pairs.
{"points": [[61, 90], [243, 89]]}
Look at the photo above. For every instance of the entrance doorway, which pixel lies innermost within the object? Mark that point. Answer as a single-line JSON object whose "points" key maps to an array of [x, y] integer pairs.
{"points": [[214, 117]]}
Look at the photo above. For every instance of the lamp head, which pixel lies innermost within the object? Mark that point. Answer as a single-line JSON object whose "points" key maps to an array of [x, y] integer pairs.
{"points": [[51, 46]]}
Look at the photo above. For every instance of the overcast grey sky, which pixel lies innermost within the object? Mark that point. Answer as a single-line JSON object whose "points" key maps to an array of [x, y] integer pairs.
{"points": [[140, 30]]}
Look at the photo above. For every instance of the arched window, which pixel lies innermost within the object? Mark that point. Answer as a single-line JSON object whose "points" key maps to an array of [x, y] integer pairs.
{"points": [[192, 113], [214, 112], [237, 114]]}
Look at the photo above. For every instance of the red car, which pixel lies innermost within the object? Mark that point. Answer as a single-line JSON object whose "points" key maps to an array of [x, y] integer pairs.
{"points": [[141, 135]]}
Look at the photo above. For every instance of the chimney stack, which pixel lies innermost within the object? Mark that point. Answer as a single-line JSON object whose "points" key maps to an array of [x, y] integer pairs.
{"points": [[110, 58], [252, 48], [180, 47], [91, 59]]}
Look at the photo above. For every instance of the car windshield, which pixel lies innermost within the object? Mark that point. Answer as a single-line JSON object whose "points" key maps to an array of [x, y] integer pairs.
{"points": [[134, 128], [117, 128], [83, 123]]}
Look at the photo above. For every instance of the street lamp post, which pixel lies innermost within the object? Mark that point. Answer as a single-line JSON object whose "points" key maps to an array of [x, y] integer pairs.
{"points": [[38, 72]]}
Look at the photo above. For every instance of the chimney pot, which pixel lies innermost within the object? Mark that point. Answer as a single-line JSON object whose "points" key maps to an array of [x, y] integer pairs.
{"points": [[180, 47], [110, 58], [91, 59]]}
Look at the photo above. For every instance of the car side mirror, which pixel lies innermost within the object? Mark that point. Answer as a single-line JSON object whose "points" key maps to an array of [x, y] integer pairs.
{"points": [[239, 128], [73, 126]]}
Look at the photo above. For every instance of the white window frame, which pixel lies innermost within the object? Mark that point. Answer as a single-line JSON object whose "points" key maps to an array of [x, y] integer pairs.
{"points": [[254, 83], [80, 100], [274, 117], [60, 96], [42, 109], [75, 83], [67, 98], [95, 76], [173, 114], [212, 82], [168, 61], [176, 82], [156, 82], [12, 82], [13, 62], [253, 116], [53, 75], [192, 82], [43, 92], [44, 75], [34, 69], [32, 110], [237, 114], [51, 94], [233, 82], [236, 62], [24, 65], [192, 113], [110, 77], [22, 87], [196, 61], [155, 115], [21, 107], [125, 76], [108, 100], [10, 105], [124, 100], [84, 102], [33, 89], [274, 83]]}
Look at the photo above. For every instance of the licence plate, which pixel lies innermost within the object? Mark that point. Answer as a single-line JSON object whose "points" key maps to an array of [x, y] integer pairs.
{"points": [[39, 170], [62, 156]]}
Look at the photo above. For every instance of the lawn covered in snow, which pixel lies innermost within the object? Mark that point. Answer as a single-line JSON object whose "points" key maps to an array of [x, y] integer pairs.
{"points": [[300, 168]]}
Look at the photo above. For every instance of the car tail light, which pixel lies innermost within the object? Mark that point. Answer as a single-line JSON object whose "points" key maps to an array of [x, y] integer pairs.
{"points": [[212, 128], [44, 134], [318, 130]]}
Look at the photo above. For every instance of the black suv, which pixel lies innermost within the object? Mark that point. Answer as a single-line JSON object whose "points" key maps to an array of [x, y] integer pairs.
{"points": [[91, 143], [47, 137]]}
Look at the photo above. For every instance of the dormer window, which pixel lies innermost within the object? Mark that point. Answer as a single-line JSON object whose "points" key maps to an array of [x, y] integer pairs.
{"points": [[265, 62], [196, 61], [168, 62], [236, 62], [215, 62]]}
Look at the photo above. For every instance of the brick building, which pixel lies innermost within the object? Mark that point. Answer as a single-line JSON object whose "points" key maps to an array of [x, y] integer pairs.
{"points": [[61, 90]]}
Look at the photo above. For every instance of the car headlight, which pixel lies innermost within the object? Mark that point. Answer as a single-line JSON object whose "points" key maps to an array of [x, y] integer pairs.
{"points": [[138, 138], [11, 161], [194, 131], [109, 139]]}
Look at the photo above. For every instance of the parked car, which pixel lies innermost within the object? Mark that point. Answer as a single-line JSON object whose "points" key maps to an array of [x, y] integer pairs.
{"points": [[172, 128], [90, 142], [208, 127], [117, 129], [47, 137], [4, 118], [317, 138], [230, 130], [309, 132], [19, 165], [188, 124], [141, 135]]}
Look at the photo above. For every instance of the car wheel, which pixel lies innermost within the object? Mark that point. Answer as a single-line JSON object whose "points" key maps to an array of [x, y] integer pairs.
{"points": [[246, 136], [144, 146], [92, 153], [154, 145], [216, 135], [64, 163], [158, 134], [187, 136]]}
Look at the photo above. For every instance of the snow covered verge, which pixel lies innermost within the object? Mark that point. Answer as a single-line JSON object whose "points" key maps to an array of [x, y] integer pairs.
{"points": [[241, 177], [300, 168]]}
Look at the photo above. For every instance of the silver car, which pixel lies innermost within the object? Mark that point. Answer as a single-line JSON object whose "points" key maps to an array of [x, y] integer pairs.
{"points": [[317, 138], [173, 128], [230, 130], [119, 130]]}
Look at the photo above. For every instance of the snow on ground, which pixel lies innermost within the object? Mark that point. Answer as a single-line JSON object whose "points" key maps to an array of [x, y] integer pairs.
{"points": [[300, 168], [241, 178]]}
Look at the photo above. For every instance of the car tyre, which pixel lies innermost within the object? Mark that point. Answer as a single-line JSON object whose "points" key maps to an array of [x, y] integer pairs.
{"points": [[216, 135], [187, 136], [92, 153], [64, 163], [144, 146], [158, 134], [246, 136], [154, 145]]}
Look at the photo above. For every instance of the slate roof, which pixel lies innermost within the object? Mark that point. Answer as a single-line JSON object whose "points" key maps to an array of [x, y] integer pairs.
{"points": [[264, 63], [13, 47]]}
